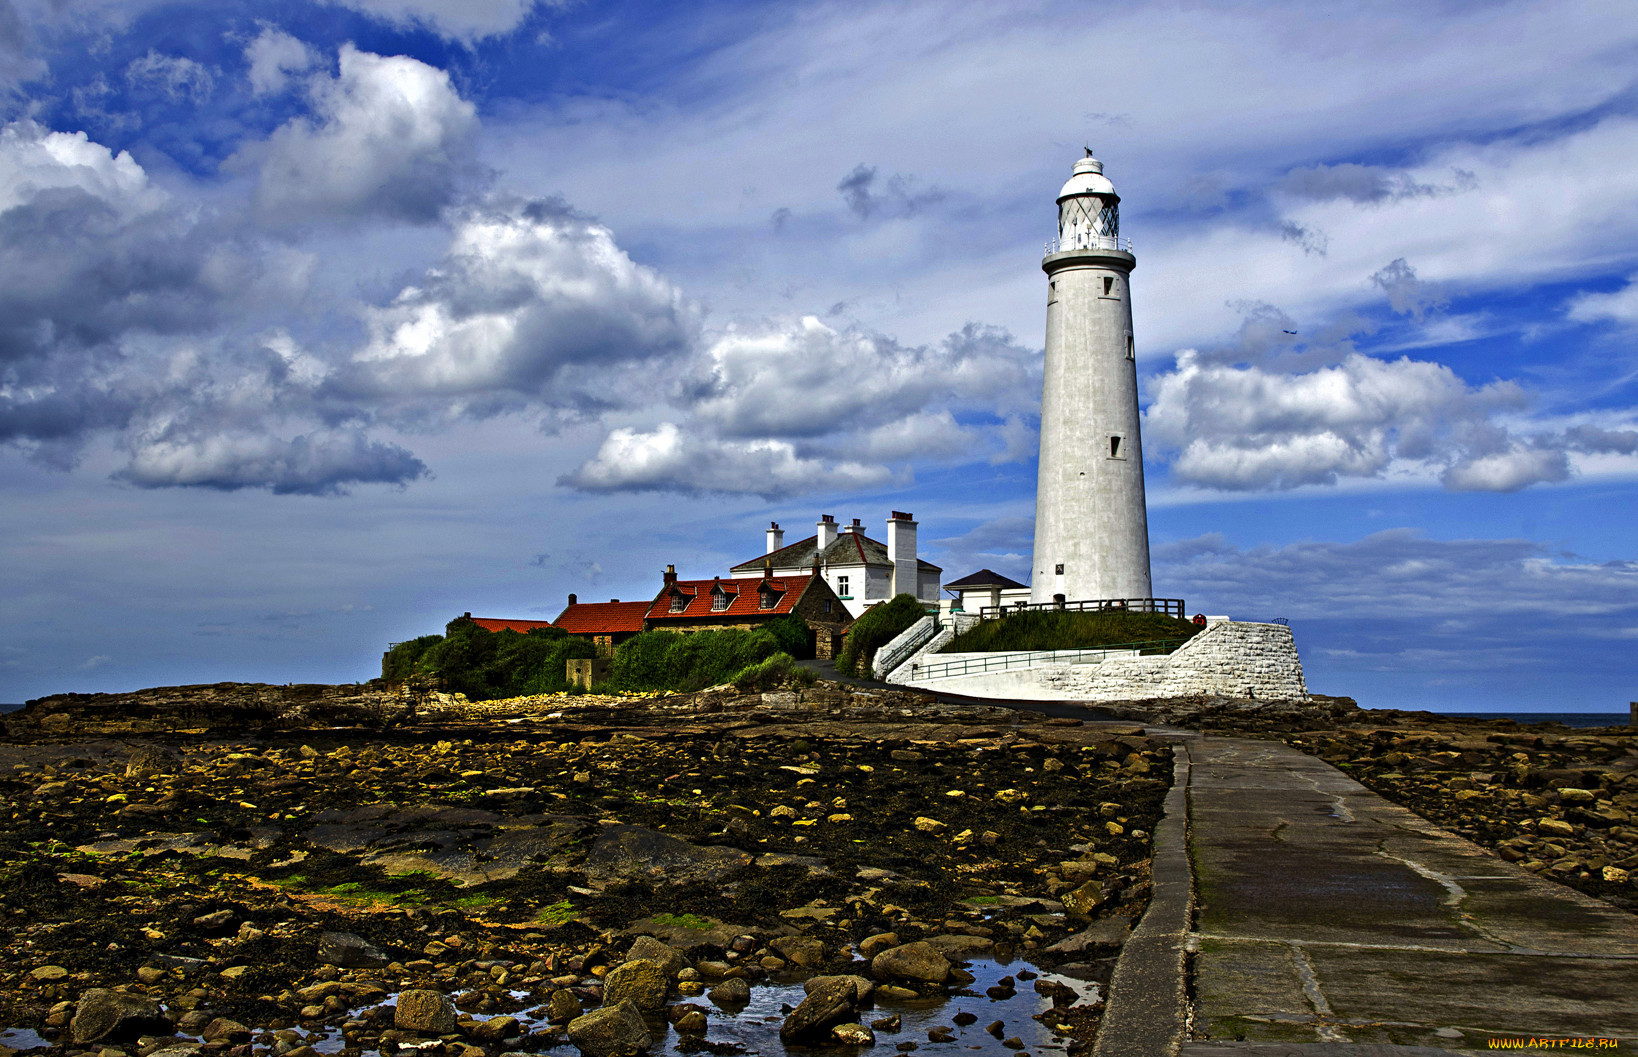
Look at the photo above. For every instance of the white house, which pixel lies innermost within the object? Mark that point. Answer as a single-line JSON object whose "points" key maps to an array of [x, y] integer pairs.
{"points": [[862, 571]]}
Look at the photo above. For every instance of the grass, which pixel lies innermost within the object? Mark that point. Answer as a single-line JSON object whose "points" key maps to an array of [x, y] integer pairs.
{"points": [[1068, 631], [683, 921]]}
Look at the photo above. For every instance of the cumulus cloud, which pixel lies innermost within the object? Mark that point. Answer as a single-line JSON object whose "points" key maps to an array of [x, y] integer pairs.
{"points": [[533, 306], [274, 56], [1249, 428], [671, 459], [389, 137], [463, 20], [320, 463], [1595, 440], [177, 77]]}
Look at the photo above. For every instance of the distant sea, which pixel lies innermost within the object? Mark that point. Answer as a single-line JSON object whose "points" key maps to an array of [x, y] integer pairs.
{"points": [[9, 708], [1569, 719]]}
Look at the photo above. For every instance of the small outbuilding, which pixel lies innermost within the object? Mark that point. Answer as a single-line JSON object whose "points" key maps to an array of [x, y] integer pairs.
{"points": [[986, 588]]}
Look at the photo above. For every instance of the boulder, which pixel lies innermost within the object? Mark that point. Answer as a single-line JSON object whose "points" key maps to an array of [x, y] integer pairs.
{"points": [[806, 951], [863, 987], [349, 951], [562, 1006], [664, 955], [636, 852], [731, 992], [917, 961], [430, 1012], [1080, 902], [613, 1031], [640, 981], [224, 1030], [830, 1001], [103, 1015], [852, 1035]]}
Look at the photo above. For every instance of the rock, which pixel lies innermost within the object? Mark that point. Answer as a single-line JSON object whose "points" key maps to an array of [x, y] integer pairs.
{"points": [[1555, 827], [220, 919], [928, 825], [194, 1022], [612, 1031], [863, 988], [852, 1035], [639, 981], [1110, 932], [871, 946], [692, 1022], [959, 947], [349, 951], [224, 1030], [888, 1025], [150, 974], [894, 991], [731, 992], [47, 973], [633, 851], [806, 951], [498, 1028], [108, 1015], [964, 1018], [1080, 902], [234, 972], [430, 1012], [150, 760], [830, 1001], [664, 955], [562, 1006], [911, 961]]}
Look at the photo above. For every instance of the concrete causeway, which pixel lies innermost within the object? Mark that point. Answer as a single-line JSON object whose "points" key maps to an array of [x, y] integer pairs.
{"points": [[1327, 920]]}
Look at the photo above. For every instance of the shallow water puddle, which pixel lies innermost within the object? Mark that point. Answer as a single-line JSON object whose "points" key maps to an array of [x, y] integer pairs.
{"points": [[21, 1039]]}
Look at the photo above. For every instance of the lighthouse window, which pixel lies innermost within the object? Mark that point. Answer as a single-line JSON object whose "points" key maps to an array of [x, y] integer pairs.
{"points": [[1114, 447], [1131, 351], [1058, 569], [1108, 284]]}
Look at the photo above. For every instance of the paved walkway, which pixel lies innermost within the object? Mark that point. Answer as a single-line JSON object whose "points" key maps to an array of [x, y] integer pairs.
{"points": [[1330, 921]]}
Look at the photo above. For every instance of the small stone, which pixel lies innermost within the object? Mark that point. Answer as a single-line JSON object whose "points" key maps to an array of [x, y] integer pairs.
{"points": [[150, 974], [349, 951], [731, 992], [928, 825], [639, 980], [964, 1018], [562, 1006], [1555, 827], [871, 946], [852, 1035], [234, 972], [888, 1025], [48, 973], [693, 1022], [224, 1030]]}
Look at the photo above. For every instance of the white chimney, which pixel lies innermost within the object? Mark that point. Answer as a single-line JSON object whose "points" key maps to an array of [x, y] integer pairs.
{"points": [[901, 551], [776, 537], [827, 532]]}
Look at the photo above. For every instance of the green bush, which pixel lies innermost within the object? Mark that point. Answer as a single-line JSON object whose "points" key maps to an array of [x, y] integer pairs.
{"points": [[488, 664], [773, 673], [671, 661], [878, 626], [1069, 630]]}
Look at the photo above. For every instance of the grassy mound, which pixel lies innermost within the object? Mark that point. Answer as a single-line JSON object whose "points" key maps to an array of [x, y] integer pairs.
{"points": [[1049, 630], [878, 626]]}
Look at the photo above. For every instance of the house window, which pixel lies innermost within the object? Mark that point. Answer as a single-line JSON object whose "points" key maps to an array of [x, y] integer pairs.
{"points": [[769, 599], [679, 602], [719, 600], [827, 605], [841, 587]]}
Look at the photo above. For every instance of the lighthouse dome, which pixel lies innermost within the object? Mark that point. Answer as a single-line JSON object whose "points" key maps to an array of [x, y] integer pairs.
{"points": [[1088, 179]]}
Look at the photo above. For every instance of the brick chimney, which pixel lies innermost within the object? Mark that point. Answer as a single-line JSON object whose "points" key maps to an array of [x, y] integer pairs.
{"points": [[776, 537], [573, 598], [670, 575]]}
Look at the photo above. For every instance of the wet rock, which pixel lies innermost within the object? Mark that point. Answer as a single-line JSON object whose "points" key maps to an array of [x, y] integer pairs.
{"points": [[498, 1028], [224, 1030], [852, 1035], [805, 951], [871, 946], [964, 1018], [830, 1001], [863, 988], [349, 951], [888, 1025], [730, 993], [911, 961], [562, 1006], [103, 1015], [215, 921], [664, 955], [613, 1031], [1082, 901], [635, 851], [639, 981], [940, 1033], [692, 1022], [425, 1011]]}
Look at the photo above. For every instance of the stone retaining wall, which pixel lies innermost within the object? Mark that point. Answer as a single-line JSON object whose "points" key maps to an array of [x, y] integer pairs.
{"points": [[1233, 658]]}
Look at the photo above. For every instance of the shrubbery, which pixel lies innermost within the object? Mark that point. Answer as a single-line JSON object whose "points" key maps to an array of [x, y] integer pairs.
{"points": [[1069, 630], [668, 660], [878, 626], [488, 664]]}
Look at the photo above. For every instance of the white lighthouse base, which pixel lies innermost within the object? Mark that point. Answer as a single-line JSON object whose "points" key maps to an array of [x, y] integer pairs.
{"points": [[1232, 658]]}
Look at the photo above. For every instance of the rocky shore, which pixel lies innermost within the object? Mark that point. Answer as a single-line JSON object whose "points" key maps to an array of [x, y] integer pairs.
{"points": [[829, 868]]}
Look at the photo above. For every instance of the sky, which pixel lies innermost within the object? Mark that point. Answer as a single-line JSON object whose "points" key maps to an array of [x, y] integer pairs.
{"points": [[322, 323]]}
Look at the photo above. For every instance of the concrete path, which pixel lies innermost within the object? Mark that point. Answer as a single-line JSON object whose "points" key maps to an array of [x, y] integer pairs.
{"points": [[1330, 921]]}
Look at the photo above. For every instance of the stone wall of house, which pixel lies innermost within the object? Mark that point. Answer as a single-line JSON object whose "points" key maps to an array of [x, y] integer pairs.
{"points": [[1233, 658]]}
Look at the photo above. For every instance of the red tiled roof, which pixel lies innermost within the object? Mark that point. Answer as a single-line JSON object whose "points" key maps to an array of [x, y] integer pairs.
{"points": [[744, 597], [522, 627], [602, 618]]}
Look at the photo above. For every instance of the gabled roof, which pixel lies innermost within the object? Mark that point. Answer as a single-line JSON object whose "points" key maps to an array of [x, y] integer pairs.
{"points": [[602, 618], [849, 548], [985, 578], [522, 627], [744, 597]]}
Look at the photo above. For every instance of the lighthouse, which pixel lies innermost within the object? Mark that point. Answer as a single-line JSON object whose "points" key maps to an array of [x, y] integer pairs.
{"points": [[1091, 524]]}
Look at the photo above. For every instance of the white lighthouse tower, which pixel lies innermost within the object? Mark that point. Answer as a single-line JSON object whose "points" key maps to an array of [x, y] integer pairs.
{"points": [[1091, 524]]}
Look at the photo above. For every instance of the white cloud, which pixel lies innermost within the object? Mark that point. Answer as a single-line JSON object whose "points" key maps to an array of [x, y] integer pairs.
{"points": [[319, 463], [390, 137], [533, 306], [34, 162], [1248, 427], [177, 76], [463, 20], [274, 56], [1619, 306], [671, 459]]}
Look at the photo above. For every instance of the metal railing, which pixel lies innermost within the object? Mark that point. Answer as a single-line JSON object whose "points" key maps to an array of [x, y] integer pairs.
{"points": [[1171, 607], [1087, 242], [904, 644], [1001, 662]]}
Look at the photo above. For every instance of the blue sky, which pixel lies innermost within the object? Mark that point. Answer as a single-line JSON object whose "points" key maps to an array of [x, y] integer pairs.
{"points": [[325, 322]]}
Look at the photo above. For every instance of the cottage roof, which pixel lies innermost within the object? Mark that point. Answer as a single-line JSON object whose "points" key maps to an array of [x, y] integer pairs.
{"points": [[744, 597], [984, 578], [849, 548], [522, 627], [602, 618]]}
